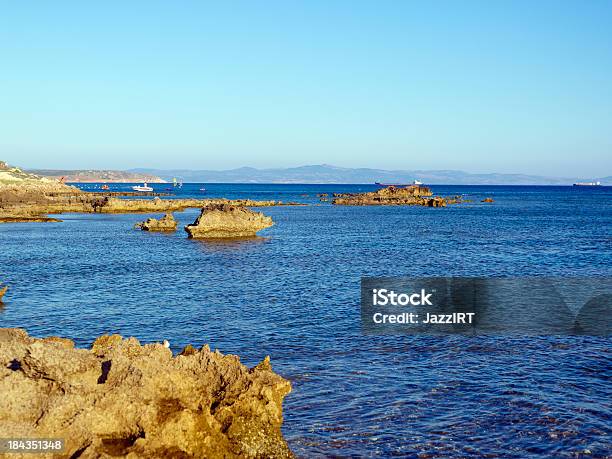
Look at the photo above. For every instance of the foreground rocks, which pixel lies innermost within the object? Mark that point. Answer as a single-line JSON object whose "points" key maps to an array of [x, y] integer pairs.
{"points": [[166, 223], [121, 398], [227, 221], [413, 195]]}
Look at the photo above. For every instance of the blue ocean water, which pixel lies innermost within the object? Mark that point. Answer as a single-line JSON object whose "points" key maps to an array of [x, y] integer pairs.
{"points": [[294, 294]]}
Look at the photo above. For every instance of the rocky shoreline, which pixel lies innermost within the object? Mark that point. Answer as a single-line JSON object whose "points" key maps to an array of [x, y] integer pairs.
{"points": [[36, 207], [28, 198], [413, 195], [122, 398]]}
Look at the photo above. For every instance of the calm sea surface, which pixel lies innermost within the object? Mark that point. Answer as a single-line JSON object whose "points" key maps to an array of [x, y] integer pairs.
{"points": [[294, 294]]}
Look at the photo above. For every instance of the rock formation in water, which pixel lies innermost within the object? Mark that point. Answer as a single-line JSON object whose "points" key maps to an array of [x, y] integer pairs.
{"points": [[3, 290], [166, 223], [227, 221], [487, 200], [413, 195], [121, 398]]}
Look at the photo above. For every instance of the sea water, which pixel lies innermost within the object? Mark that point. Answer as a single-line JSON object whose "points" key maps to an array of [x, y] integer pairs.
{"points": [[294, 294]]}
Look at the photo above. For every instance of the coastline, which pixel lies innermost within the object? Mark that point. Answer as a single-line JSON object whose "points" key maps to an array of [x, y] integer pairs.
{"points": [[122, 398]]}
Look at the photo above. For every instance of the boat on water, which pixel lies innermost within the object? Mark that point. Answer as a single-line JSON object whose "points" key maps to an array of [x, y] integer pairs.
{"points": [[414, 182], [587, 184], [144, 187]]}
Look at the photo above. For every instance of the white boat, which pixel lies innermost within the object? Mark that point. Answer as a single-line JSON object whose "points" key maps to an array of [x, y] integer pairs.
{"points": [[416, 182], [587, 184], [144, 187]]}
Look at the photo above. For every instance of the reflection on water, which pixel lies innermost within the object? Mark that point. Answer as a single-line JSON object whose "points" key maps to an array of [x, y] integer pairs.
{"points": [[224, 244]]}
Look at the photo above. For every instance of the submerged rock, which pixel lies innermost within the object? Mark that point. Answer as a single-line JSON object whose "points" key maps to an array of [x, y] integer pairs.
{"points": [[2, 292], [28, 219], [166, 223], [227, 221], [413, 195], [121, 398]]}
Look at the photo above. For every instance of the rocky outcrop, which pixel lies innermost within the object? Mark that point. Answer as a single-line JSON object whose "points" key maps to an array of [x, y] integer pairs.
{"points": [[116, 205], [436, 202], [28, 219], [121, 398], [166, 223], [487, 200], [413, 195], [3, 290], [227, 221]]}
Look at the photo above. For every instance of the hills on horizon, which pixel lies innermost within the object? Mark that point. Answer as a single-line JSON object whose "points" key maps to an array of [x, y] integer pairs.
{"points": [[326, 173], [313, 174], [96, 176]]}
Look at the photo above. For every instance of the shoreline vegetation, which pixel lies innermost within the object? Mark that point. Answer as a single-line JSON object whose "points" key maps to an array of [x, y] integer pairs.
{"points": [[122, 398]]}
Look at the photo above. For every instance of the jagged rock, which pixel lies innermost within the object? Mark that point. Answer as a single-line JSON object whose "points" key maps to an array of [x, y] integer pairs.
{"points": [[413, 195], [121, 398], [436, 202], [487, 200], [166, 223], [227, 221], [2, 292]]}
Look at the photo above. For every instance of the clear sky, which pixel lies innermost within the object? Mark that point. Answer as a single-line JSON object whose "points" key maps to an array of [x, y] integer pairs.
{"points": [[482, 86]]}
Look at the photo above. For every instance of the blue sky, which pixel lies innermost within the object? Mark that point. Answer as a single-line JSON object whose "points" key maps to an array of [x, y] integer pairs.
{"points": [[480, 86]]}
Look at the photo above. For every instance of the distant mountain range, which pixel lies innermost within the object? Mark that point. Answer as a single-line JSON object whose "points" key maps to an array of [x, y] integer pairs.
{"points": [[331, 174], [109, 176]]}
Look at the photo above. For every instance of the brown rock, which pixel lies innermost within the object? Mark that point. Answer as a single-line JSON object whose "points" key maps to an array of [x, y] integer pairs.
{"points": [[487, 200], [28, 219], [436, 202], [413, 195], [227, 221], [2, 292], [166, 223], [121, 398]]}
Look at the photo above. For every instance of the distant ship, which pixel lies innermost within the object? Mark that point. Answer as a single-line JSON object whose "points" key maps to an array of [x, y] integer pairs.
{"points": [[414, 182], [587, 184]]}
